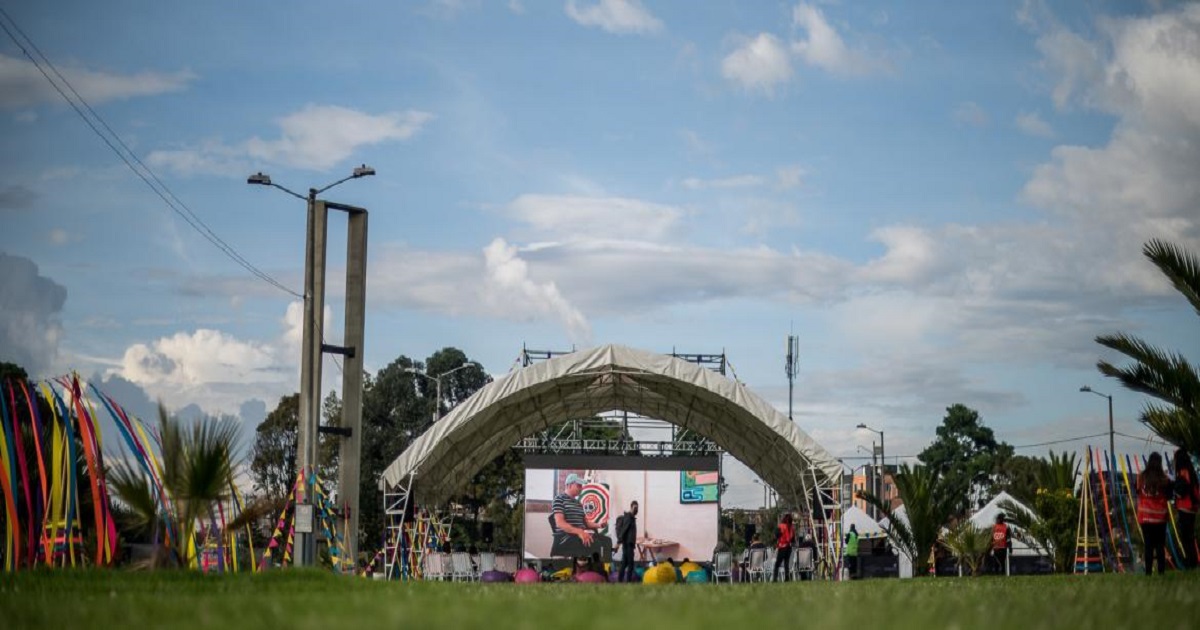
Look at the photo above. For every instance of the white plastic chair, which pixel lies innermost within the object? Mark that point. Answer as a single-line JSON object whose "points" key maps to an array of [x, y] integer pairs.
{"points": [[723, 566], [461, 569], [754, 567], [509, 563], [487, 561], [768, 574], [803, 562], [432, 566]]}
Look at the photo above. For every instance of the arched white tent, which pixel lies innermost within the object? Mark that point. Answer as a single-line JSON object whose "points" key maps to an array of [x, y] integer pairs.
{"points": [[607, 378]]}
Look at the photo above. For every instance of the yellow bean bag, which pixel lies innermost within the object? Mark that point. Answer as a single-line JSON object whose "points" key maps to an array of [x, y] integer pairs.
{"points": [[688, 567], [659, 574]]}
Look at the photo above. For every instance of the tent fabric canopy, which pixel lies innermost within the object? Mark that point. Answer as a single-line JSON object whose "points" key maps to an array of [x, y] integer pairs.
{"points": [[985, 517], [589, 382], [862, 522]]}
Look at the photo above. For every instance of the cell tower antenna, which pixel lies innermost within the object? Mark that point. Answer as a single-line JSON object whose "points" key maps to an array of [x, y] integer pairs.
{"points": [[793, 360]]}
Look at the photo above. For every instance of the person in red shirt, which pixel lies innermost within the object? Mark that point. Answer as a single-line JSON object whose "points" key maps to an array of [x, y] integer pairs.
{"points": [[783, 548], [1153, 488], [1187, 498], [1001, 544]]}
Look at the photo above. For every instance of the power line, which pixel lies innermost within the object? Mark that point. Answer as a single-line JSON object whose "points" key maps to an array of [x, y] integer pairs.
{"points": [[145, 173]]}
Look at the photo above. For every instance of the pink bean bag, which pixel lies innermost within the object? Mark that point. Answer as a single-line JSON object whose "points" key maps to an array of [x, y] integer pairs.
{"points": [[527, 576], [590, 577]]}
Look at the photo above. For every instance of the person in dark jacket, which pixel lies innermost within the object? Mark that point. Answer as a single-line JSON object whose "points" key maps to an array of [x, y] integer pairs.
{"points": [[627, 540]]}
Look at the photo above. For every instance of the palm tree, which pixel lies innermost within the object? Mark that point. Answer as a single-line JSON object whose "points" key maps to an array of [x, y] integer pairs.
{"points": [[969, 545], [927, 508], [1164, 375], [196, 472]]}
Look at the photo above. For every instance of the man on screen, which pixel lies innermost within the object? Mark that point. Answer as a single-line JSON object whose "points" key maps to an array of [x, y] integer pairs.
{"points": [[573, 535]]}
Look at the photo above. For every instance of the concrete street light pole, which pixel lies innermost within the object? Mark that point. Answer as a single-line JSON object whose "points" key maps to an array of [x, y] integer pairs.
{"points": [[312, 352]]}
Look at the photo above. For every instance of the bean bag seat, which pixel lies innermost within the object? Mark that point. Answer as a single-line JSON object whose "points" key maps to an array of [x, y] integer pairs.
{"points": [[698, 576], [527, 576], [495, 576], [590, 577], [688, 567], [660, 574]]}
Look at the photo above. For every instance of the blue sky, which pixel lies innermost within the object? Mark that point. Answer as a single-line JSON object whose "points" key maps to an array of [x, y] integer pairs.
{"points": [[945, 203]]}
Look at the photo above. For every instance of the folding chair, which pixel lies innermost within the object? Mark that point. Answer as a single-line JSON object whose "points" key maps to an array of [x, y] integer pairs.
{"points": [[461, 569], [768, 573], [723, 566]]}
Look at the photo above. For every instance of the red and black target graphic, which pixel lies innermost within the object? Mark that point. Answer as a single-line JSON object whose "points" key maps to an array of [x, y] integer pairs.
{"points": [[594, 498]]}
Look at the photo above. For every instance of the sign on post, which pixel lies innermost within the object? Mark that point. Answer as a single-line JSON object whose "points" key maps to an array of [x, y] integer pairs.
{"points": [[304, 518]]}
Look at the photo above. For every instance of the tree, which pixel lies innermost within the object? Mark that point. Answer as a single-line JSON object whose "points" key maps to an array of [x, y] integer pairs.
{"points": [[1019, 477], [1167, 376], [966, 457], [12, 371], [927, 507], [197, 472], [273, 466]]}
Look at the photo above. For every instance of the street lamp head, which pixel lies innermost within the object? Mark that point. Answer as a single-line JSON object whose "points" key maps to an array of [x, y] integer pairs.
{"points": [[259, 178], [1085, 388], [861, 426], [363, 171]]}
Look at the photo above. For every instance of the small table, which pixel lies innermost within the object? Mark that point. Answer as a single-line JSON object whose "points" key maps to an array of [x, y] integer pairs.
{"points": [[651, 546]]}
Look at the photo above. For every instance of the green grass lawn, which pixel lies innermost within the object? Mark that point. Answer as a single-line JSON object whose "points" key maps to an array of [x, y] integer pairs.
{"points": [[291, 599]]}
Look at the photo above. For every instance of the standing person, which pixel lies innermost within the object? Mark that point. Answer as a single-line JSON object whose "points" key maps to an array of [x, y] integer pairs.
{"points": [[573, 531], [1153, 488], [1187, 499], [627, 540], [850, 553], [783, 548], [1001, 544]]}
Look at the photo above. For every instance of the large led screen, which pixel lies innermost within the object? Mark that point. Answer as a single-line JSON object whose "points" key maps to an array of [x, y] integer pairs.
{"points": [[677, 499]]}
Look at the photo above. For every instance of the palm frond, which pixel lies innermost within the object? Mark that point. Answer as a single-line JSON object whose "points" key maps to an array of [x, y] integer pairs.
{"points": [[131, 486], [1173, 425], [1181, 267], [1164, 375]]}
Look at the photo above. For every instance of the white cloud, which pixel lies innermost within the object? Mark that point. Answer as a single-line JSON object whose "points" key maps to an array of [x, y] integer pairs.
{"points": [[202, 357], [825, 48], [614, 16], [758, 64], [30, 315], [696, 145], [27, 116], [789, 176], [317, 138], [22, 85], [736, 181], [509, 290], [970, 113], [910, 255], [1032, 124], [59, 236], [1142, 183], [594, 217], [516, 7]]}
